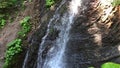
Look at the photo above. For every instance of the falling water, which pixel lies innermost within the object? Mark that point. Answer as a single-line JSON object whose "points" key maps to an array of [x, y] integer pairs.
{"points": [[41, 49], [55, 56], [57, 53]]}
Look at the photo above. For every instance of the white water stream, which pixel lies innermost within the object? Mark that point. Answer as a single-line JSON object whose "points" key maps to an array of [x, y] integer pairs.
{"points": [[55, 56]]}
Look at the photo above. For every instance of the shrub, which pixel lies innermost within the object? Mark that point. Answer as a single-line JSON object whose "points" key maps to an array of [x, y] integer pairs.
{"points": [[49, 3], [13, 48], [25, 27], [5, 6], [2, 22], [7, 3]]}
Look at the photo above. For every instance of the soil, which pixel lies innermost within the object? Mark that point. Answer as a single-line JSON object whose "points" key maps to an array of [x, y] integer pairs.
{"points": [[9, 32]]}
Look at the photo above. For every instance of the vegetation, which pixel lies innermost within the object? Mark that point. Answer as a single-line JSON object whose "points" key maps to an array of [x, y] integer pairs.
{"points": [[6, 5], [110, 65], [49, 3], [14, 48], [2, 22], [116, 2], [25, 27]]}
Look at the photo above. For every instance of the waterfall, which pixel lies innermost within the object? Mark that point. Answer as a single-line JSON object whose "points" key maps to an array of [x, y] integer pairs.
{"points": [[78, 38], [55, 56]]}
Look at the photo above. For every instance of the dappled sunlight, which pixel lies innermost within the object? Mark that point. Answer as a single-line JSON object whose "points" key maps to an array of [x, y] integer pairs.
{"points": [[107, 7], [106, 2], [119, 48], [98, 39]]}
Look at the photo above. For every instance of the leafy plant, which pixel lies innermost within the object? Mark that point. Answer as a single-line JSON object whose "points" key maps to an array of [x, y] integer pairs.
{"points": [[116, 2], [49, 3], [13, 48], [25, 27], [110, 65], [7, 3], [5, 6], [2, 22]]}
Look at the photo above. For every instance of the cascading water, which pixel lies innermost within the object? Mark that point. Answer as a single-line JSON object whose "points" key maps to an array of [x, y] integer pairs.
{"points": [[78, 39], [55, 56]]}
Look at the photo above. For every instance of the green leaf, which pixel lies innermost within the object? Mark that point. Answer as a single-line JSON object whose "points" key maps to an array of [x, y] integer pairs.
{"points": [[110, 65], [49, 3]]}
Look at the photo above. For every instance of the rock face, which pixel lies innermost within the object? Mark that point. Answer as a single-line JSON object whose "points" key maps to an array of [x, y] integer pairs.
{"points": [[94, 37]]}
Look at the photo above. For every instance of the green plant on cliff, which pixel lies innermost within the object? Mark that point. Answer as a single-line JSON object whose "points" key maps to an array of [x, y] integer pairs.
{"points": [[25, 27], [110, 65], [7, 3], [13, 48], [116, 2], [6, 7], [49, 3], [2, 22]]}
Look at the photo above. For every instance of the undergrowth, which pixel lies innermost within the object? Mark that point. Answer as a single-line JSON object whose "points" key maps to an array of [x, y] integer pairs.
{"points": [[6, 7], [49, 3], [25, 27], [2, 22], [7, 3], [13, 48]]}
